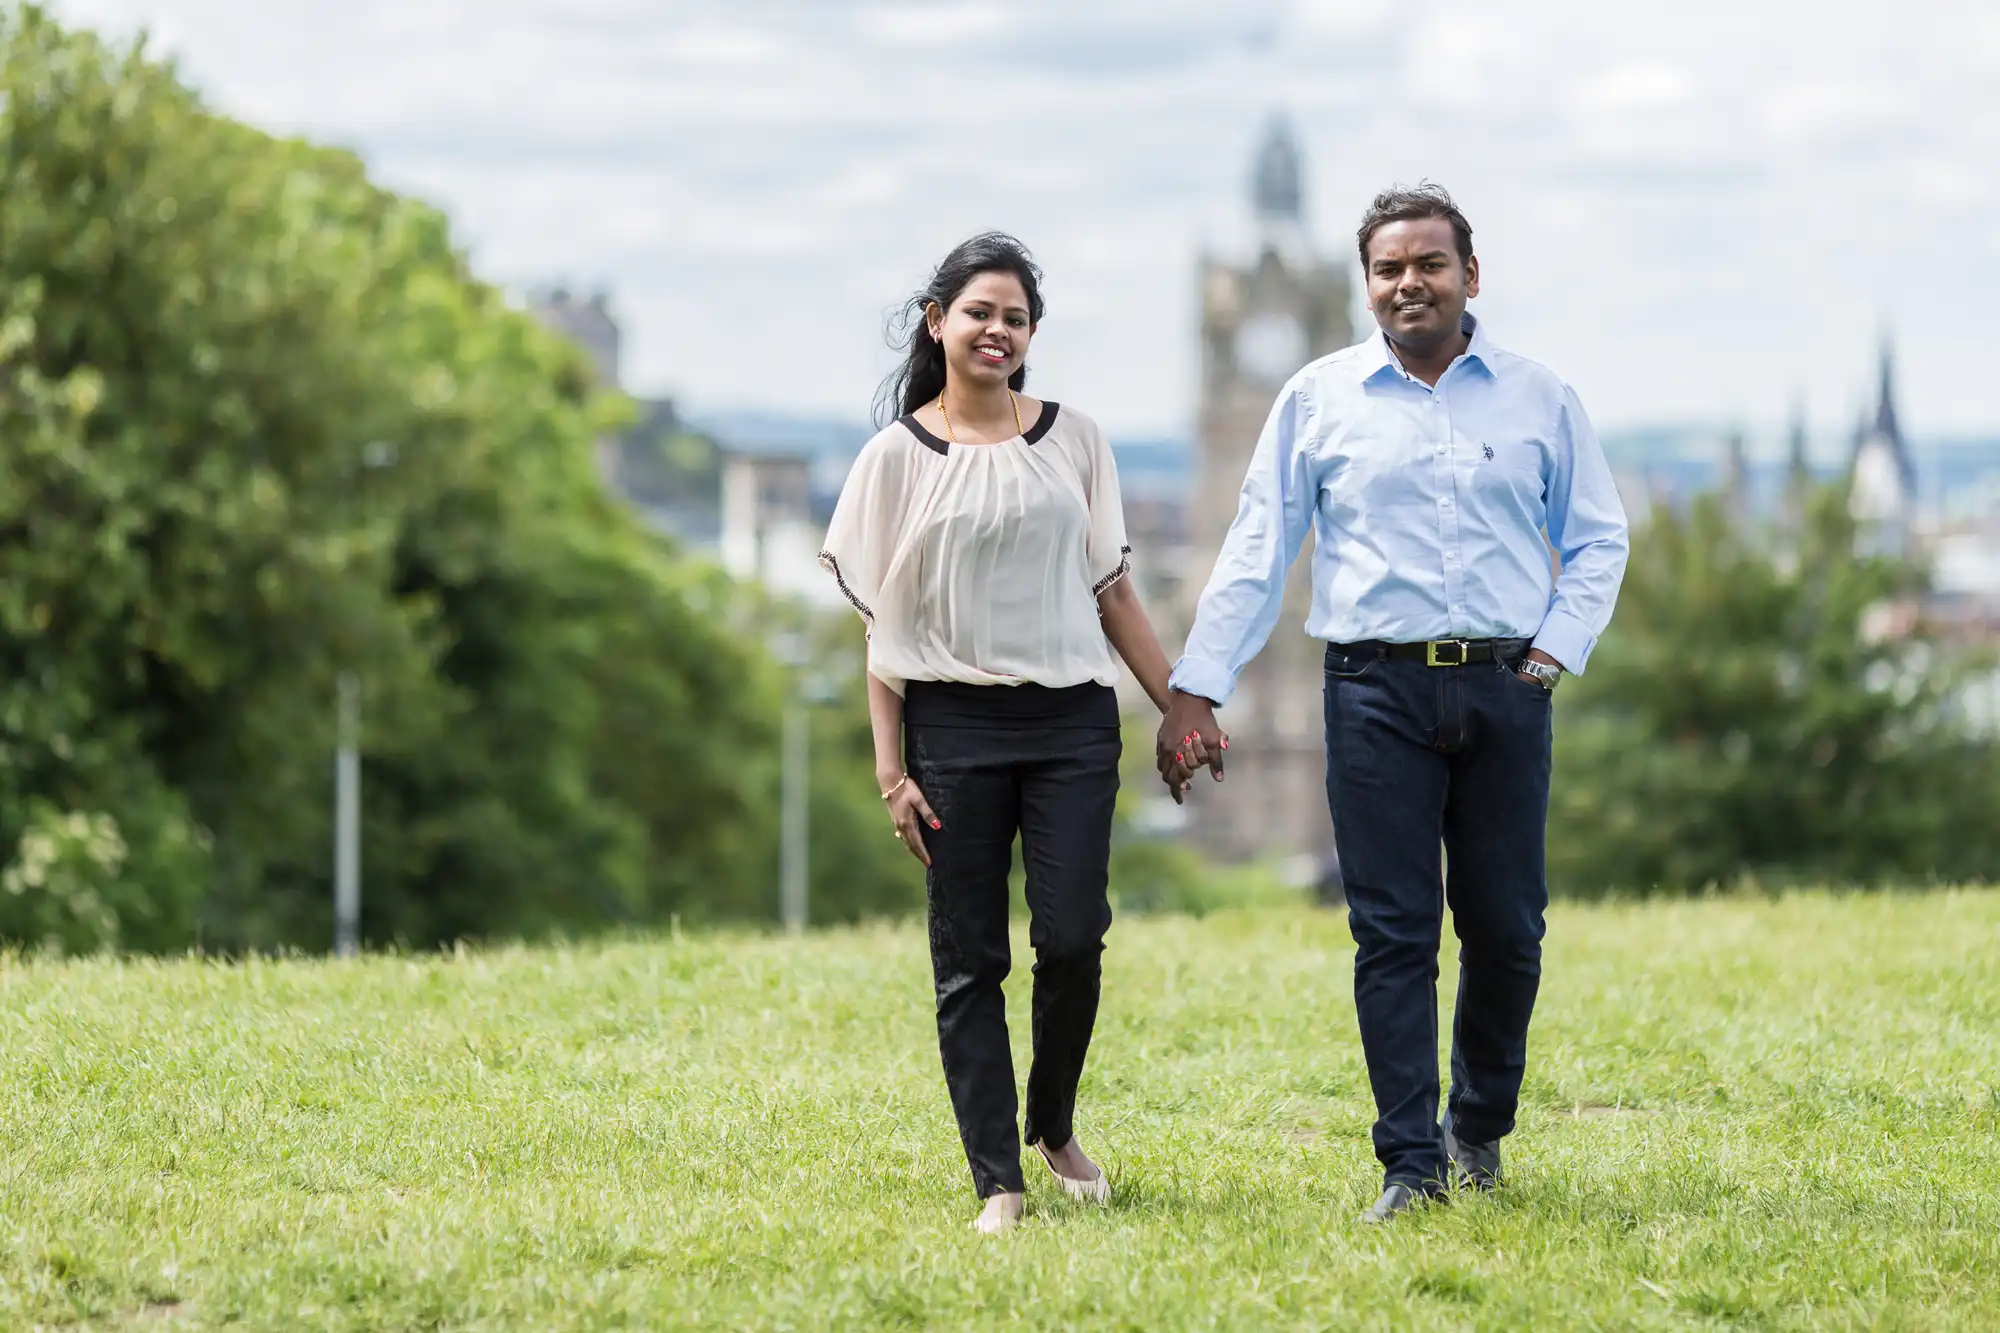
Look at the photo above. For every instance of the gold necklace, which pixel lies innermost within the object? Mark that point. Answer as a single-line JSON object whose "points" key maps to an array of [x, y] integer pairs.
{"points": [[953, 439]]}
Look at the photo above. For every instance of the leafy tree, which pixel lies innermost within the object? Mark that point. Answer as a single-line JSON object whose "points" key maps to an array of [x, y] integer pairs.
{"points": [[1746, 715], [262, 426]]}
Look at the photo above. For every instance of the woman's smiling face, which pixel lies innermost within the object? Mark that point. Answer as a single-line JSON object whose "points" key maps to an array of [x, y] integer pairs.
{"points": [[986, 332]]}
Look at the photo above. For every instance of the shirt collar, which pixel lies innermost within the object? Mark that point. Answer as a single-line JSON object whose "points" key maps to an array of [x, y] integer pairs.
{"points": [[1479, 350]]}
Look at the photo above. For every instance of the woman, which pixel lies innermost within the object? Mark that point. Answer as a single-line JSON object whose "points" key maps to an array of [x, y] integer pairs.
{"points": [[981, 537]]}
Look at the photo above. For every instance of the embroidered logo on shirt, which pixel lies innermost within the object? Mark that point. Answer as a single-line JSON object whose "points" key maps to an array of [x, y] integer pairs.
{"points": [[1487, 449]]}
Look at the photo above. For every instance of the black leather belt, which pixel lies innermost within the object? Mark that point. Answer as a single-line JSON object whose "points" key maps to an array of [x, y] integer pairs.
{"points": [[1439, 652]]}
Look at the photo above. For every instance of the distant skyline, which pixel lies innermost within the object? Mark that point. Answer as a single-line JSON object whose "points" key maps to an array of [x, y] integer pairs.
{"points": [[1699, 216]]}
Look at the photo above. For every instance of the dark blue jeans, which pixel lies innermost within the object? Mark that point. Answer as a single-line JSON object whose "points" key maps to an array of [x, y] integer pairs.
{"points": [[1419, 758]]}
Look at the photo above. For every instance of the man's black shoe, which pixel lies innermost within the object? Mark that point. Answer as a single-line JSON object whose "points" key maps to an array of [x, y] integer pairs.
{"points": [[1395, 1199], [1478, 1162]]}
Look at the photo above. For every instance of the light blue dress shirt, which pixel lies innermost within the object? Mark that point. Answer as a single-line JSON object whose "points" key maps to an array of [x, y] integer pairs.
{"points": [[1428, 508]]}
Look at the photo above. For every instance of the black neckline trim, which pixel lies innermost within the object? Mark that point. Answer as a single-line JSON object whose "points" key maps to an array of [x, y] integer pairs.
{"points": [[1043, 425]]}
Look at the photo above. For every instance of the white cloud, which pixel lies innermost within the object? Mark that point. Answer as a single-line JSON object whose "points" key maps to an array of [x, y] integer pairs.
{"points": [[931, 24], [1643, 87], [1686, 214], [1814, 107], [1471, 58], [724, 48], [1339, 18]]}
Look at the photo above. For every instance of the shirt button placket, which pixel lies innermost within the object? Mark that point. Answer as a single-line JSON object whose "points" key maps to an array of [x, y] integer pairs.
{"points": [[1448, 531]]}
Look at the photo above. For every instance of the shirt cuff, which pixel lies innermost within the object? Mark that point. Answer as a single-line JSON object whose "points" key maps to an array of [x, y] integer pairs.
{"points": [[1191, 675], [1566, 639]]}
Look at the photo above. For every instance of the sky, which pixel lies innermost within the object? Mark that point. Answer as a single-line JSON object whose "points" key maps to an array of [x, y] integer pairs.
{"points": [[1706, 214]]}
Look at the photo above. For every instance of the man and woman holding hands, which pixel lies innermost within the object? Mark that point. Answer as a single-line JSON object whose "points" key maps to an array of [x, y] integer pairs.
{"points": [[981, 537]]}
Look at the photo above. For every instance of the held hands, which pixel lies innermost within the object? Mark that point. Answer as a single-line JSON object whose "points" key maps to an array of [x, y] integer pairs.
{"points": [[1188, 739], [910, 813]]}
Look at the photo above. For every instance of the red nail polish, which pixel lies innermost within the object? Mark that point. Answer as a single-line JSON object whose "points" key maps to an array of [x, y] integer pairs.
{"points": [[1225, 742], [936, 824], [1180, 759]]}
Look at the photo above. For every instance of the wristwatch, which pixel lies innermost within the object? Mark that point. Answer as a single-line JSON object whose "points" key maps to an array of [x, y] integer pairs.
{"points": [[1548, 673]]}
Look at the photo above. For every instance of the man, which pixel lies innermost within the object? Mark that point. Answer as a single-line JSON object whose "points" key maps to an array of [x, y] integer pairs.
{"points": [[1428, 464]]}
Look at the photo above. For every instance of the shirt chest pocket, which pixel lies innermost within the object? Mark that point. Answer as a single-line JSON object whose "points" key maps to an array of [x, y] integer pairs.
{"points": [[1500, 468], [1501, 473], [1505, 454]]}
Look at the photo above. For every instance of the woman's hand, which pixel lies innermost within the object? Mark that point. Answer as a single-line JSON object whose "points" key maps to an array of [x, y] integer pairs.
{"points": [[1188, 739], [911, 814]]}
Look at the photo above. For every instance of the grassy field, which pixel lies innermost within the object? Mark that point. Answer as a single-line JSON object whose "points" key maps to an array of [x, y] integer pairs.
{"points": [[1739, 1114]]}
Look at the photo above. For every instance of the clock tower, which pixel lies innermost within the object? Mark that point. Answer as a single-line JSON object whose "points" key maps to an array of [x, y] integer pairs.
{"points": [[1260, 323]]}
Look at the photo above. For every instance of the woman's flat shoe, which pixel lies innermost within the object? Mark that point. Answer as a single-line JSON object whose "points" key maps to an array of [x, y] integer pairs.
{"points": [[994, 1221], [1083, 1191]]}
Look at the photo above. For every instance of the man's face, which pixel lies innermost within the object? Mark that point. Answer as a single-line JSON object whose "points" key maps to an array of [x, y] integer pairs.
{"points": [[1417, 286]]}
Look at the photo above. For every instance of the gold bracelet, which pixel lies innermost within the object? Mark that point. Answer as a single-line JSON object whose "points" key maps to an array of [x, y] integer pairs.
{"points": [[898, 787]]}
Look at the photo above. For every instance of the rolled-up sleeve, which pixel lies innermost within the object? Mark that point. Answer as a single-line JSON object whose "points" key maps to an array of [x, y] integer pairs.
{"points": [[1241, 603], [1588, 530]]}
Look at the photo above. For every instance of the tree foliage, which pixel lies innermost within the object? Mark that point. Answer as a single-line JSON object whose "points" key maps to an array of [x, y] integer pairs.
{"points": [[1746, 716], [261, 426]]}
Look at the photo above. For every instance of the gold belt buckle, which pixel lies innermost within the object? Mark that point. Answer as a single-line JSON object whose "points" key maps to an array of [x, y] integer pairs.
{"points": [[1431, 657]]}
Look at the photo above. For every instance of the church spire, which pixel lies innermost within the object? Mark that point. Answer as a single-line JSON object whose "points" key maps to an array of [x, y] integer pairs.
{"points": [[1882, 429], [1277, 181], [1278, 194], [1882, 480], [1887, 427]]}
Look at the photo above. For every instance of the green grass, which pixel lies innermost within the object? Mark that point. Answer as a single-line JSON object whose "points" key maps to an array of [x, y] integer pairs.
{"points": [[1739, 1114]]}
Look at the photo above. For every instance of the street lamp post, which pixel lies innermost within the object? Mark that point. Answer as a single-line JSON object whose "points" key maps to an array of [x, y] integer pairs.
{"points": [[375, 455], [794, 839], [794, 801], [347, 819], [805, 686]]}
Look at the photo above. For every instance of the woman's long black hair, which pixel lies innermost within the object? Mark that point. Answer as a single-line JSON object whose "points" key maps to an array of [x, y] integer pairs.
{"points": [[920, 379]]}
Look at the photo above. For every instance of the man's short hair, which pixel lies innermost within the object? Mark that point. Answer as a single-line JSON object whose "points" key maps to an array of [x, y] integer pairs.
{"points": [[1409, 203]]}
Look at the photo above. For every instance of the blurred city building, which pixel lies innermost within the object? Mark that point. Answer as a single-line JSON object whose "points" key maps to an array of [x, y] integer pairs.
{"points": [[1957, 539], [1882, 476], [768, 528], [584, 320], [752, 493], [1263, 316], [1950, 526]]}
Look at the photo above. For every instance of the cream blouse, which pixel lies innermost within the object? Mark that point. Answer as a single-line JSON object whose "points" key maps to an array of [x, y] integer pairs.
{"points": [[982, 563]]}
